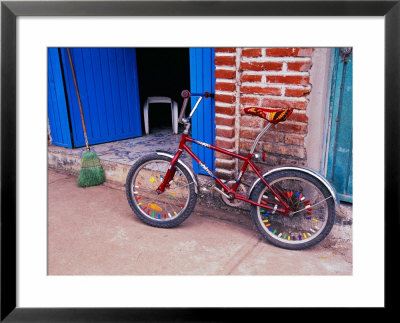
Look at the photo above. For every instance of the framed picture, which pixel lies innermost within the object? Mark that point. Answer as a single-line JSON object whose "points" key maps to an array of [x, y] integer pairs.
{"points": [[195, 15]]}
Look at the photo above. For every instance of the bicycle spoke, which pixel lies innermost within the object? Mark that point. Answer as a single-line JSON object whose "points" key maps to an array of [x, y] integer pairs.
{"points": [[167, 205], [308, 217]]}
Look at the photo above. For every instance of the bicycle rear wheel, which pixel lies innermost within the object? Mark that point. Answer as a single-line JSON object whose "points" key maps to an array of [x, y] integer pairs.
{"points": [[313, 210], [165, 210]]}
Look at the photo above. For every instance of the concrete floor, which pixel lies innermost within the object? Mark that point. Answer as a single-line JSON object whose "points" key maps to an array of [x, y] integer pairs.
{"points": [[128, 150], [93, 231]]}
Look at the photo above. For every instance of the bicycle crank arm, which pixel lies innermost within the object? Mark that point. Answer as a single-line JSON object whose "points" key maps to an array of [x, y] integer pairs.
{"points": [[221, 192]]}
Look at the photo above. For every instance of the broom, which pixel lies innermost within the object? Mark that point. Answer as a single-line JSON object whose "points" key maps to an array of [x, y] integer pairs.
{"points": [[91, 173]]}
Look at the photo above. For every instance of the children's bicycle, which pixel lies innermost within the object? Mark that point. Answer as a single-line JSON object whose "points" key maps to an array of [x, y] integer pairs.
{"points": [[292, 207]]}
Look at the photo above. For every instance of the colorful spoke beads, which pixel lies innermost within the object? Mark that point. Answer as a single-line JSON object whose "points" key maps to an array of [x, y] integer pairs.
{"points": [[155, 207]]}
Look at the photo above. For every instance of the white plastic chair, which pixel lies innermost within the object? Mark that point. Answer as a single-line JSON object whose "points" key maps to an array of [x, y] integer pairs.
{"points": [[161, 99]]}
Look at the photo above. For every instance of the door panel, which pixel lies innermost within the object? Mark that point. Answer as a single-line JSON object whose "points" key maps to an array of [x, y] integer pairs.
{"points": [[340, 143], [108, 86], [203, 122], [57, 104]]}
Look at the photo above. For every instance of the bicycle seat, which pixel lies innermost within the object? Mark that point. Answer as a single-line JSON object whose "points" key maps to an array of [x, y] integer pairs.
{"points": [[273, 115]]}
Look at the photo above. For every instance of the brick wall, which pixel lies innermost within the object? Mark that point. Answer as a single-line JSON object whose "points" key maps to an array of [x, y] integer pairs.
{"points": [[266, 77]]}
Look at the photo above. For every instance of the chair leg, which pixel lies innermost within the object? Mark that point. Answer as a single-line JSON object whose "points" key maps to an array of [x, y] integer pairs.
{"points": [[174, 113], [146, 117]]}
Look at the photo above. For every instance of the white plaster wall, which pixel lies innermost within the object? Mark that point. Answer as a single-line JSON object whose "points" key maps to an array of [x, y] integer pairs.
{"points": [[317, 107]]}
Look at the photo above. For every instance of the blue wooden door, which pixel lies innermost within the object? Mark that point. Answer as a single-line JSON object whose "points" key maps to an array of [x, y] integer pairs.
{"points": [[340, 138], [108, 86], [203, 122], [56, 101]]}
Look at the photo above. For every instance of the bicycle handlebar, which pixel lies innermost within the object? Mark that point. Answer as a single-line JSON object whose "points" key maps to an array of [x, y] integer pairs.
{"points": [[186, 96]]}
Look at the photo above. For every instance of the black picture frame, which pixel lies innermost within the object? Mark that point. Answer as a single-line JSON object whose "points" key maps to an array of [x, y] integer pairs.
{"points": [[10, 10]]}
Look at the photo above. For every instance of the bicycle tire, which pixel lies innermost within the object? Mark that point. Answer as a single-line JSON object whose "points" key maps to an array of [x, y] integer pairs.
{"points": [[141, 198], [313, 208]]}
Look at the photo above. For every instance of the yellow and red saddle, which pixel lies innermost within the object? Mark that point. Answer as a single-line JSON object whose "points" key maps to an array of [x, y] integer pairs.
{"points": [[272, 115]]}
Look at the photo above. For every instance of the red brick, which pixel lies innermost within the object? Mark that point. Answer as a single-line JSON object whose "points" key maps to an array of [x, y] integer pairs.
{"points": [[300, 117], [225, 60], [288, 79], [299, 66], [224, 144], [294, 52], [245, 146], [225, 86], [294, 140], [224, 121], [251, 122], [225, 98], [269, 136], [225, 110], [305, 52], [273, 137], [249, 100], [225, 50], [287, 126], [227, 133], [225, 74], [280, 52], [278, 103], [260, 90], [224, 175], [272, 160], [225, 164], [261, 66], [251, 52], [297, 92], [249, 134], [291, 161], [250, 78], [287, 150], [223, 156]]}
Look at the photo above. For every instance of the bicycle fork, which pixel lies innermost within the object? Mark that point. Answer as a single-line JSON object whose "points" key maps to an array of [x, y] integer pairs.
{"points": [[172, 169], [169, 175]]}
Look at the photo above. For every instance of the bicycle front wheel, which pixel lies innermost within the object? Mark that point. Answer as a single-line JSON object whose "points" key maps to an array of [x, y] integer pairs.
{"points": [[312, 216], [165, 210]]}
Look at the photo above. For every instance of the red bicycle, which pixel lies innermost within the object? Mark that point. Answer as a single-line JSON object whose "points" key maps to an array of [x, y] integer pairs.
{"points": [[292, 207]]}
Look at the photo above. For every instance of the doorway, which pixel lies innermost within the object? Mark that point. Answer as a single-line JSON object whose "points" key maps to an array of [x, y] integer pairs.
{"points": [[162, 72]]}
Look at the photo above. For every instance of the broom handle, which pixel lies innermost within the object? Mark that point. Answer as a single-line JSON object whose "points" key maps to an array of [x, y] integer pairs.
{"points": [[79, 99]]}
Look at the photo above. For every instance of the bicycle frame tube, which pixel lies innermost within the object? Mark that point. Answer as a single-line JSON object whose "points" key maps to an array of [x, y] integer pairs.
{"points": [[247, 161]]}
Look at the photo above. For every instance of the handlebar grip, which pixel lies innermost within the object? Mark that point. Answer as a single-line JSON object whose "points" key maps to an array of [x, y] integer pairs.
{"points": [[185, 94], [185, 101]]}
